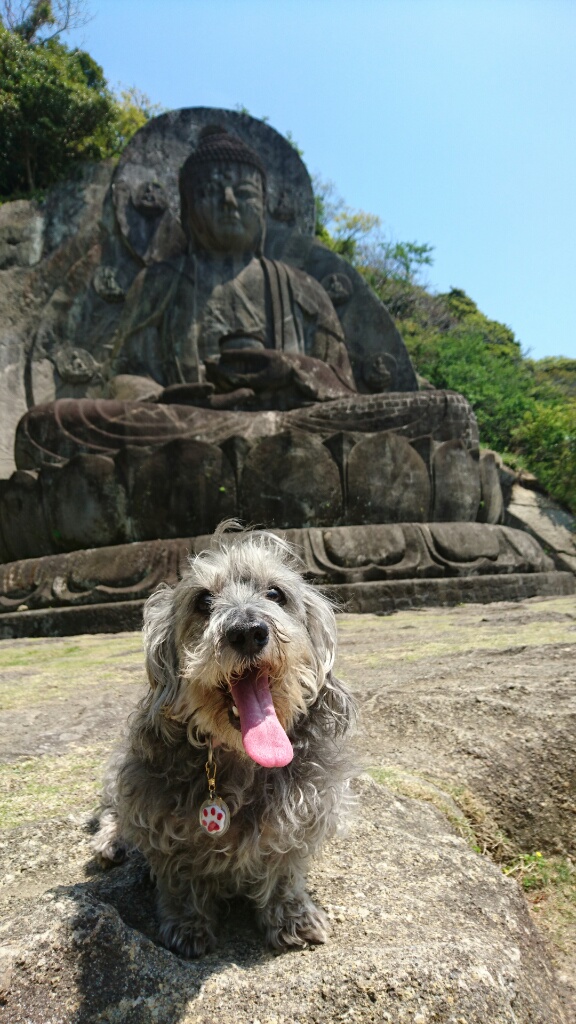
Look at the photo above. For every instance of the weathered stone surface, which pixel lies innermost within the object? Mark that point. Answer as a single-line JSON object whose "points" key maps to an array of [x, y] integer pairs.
{"points": [[333, 555], [286, 469], [387, 482], [422, 927], [290, 480], [23, 525], [478, 696], [187, 485], [446, 706], [552, 526], [378, 360], [491, 498], [41, 302], [185, 336], [53, 434], [456, 483], [103, 589], [398, 595], [458, 543], [21, 234], [83, 504]]}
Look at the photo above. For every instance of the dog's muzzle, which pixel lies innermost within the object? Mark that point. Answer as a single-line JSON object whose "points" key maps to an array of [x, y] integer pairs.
{"points": [[248, 638]]}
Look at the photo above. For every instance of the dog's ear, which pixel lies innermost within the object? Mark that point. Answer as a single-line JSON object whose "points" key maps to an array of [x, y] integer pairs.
{"points": [[321, 626], [333, 697], [162, 665], [336, 699]]}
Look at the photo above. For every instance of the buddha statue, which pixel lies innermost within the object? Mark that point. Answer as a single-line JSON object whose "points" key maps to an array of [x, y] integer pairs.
{"points": [[186, 322], [238, 383]]}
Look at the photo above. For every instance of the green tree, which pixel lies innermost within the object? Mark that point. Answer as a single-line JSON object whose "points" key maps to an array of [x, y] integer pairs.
{"points": [[344, 230], [133, 109], [55, 111], [495, 379], [546, 441]]}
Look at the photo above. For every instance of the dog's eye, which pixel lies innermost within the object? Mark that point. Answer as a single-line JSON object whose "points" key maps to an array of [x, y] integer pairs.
{"points": [[277, 595], [204, 602]]}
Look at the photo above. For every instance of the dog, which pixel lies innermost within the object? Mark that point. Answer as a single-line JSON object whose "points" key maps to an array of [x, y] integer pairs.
{"points": [[237, 768]]}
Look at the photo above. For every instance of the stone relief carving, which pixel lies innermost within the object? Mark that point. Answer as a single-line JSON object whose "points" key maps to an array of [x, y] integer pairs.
{"points": [[213, 360]]}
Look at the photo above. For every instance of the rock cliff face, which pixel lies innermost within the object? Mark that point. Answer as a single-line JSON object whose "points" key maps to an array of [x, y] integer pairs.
{"points": [[470, 702], [48, 254]]}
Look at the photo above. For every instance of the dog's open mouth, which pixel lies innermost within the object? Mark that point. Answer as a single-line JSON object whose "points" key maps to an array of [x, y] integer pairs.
{"points": [[263, 737]]}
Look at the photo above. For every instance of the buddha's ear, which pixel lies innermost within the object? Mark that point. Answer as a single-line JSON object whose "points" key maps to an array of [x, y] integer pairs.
{"points": [[162, 663]]}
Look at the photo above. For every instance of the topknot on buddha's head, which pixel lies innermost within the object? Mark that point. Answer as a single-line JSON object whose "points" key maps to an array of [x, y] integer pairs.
{"points": [[216, 145]]}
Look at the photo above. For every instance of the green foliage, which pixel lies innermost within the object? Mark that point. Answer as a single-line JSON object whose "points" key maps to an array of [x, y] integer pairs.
{"points": [[546, 439], [555, 377], [344, 230], [133, 109], [39, 15], [534, 871], [494, 379], [55, 111], [290, 138], [465, 311], [525, 409], [403, 261]]}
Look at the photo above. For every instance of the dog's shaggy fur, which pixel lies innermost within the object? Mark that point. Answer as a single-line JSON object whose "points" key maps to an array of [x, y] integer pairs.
{"points": [[240, 609]]}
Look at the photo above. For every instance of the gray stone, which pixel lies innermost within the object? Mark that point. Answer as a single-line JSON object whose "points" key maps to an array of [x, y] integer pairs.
{"points": [[188, 351], [387, 482], [290, 480], [190, 481], [551, 525], [456, 483], [423, 928], [21, 234], [491, 499], [40, 305], [367, 568]]}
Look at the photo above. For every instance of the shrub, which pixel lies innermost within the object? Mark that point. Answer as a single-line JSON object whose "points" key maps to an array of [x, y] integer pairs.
{"points": [[546, 440], [55, 110]]}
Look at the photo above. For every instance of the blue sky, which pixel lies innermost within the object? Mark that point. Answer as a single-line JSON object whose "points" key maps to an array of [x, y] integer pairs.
{"points": [[453, 120]]}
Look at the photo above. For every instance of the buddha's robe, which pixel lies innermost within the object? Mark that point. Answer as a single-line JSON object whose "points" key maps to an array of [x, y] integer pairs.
{"points": [[178, 313]]}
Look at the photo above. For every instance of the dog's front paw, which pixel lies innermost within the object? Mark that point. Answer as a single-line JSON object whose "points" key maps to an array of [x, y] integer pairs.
{"points": [[108, 845], [190, 939], [290, 925], [113, 854]]}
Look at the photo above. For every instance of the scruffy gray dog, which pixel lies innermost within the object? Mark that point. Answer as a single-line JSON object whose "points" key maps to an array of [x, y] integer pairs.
{"points": [[239, 657]]}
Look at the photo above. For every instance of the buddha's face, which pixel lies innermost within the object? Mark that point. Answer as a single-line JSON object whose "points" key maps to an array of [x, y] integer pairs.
{"points": [[227, 208]]}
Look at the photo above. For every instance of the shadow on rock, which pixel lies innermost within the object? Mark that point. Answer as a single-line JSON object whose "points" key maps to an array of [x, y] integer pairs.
{"points": [[120, 966]]}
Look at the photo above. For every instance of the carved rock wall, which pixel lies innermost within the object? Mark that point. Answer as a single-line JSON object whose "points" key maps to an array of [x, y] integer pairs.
{"points": [[292, 479], [48, 255]]}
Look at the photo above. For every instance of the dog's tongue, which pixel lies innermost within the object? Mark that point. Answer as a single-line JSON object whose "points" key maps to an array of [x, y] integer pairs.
{"points": [[263, 737]]}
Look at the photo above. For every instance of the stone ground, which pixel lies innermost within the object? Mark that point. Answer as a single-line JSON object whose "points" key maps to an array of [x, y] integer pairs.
{"points": [[467, 738]]}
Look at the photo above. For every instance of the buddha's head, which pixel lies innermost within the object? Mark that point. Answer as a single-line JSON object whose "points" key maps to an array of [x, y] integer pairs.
{"points": [[223, 194]]}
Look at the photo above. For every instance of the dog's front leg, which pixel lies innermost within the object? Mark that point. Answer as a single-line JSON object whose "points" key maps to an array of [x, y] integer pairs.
{"points": [[108, 845], [290, 917], [187, 911]]}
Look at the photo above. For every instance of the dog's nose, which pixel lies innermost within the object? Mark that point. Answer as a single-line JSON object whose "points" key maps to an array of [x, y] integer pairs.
{"points": [[248, 638]]}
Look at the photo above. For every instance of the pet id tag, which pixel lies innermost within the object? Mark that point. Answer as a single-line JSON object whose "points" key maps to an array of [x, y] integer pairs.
{"points": [[214, 816], [214, 813]]}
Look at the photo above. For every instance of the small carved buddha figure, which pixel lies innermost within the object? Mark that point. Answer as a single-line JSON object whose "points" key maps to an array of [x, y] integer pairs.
{"points": [[223, 320]]}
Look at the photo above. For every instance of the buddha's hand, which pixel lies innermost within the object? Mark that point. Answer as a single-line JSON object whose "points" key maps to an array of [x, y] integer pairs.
{"points": [[257, 369]]}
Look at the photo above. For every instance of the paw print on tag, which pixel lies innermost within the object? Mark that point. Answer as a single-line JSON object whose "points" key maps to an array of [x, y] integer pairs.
{"points": [[214, 817]]}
